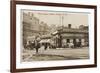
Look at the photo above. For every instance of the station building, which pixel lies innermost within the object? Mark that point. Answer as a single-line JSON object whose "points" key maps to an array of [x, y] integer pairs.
{"points": [[65, 36]]}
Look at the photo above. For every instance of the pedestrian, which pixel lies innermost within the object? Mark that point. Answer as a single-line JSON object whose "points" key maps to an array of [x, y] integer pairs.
{"points": [[36, 45], [45, 46]]}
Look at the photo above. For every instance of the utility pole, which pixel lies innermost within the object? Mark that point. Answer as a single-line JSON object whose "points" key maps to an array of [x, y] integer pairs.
{"points": [[59, 34], [62, 18]]}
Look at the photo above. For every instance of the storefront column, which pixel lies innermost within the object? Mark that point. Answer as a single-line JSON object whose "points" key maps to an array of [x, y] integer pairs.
{"points": [[64, 42], [83, 42]]}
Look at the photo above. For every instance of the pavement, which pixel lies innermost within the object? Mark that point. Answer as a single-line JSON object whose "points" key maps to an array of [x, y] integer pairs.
{"points": [[70, 53]]}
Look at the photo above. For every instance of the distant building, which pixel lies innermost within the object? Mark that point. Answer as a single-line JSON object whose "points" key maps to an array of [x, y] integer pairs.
{"points": [[66, 35], [83, 27], [44, 29], [32, 27]]}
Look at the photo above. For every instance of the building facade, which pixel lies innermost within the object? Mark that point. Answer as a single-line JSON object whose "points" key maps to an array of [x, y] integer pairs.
{"points": [[32, 27], [67, 36]]}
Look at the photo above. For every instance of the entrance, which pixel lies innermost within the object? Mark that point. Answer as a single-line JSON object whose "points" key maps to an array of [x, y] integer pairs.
{"points": [[74, 42]]}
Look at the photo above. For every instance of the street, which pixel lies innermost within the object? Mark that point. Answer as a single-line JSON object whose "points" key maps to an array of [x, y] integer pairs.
{"points": [[55, 54]]}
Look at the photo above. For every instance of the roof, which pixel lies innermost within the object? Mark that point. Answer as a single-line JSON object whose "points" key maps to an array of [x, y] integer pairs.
{"points": [[71, 30]]}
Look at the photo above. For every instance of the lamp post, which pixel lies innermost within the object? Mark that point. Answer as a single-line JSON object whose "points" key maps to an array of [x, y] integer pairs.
{"points": [[60, 31]]}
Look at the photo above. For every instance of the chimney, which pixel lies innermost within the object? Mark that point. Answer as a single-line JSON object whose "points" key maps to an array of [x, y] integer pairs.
{"points": [[69, 25]]}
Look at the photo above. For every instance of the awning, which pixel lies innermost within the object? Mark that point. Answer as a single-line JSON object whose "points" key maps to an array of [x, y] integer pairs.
{"points": [[45, 41]]}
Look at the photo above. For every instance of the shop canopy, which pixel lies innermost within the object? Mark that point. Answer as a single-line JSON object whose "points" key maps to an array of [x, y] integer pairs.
{"points": [[45, 41]]}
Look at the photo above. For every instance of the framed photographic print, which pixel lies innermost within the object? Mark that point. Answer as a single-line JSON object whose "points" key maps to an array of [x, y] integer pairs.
{"points": [[52, 36]]}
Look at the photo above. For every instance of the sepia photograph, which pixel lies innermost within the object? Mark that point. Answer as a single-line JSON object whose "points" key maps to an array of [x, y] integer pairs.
{"points": [[54, 35]]}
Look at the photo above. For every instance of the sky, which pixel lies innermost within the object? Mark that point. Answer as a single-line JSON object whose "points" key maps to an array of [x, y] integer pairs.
{"points": [[61, 18]]}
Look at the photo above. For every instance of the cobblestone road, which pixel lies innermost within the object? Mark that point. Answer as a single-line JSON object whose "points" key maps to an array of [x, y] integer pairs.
{"points": [[65, 53]]}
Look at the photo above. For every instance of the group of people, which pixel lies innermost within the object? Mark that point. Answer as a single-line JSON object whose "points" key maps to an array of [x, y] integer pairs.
{"points": [[36, 45]]}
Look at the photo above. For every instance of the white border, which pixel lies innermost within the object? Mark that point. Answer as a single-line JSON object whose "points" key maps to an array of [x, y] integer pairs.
{"points": [[37, 64]]}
